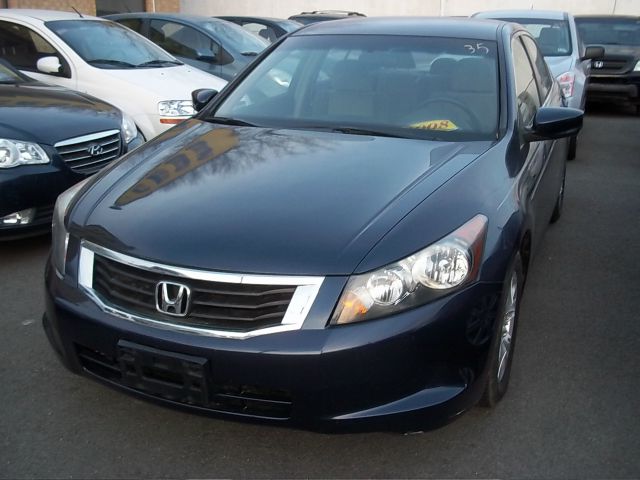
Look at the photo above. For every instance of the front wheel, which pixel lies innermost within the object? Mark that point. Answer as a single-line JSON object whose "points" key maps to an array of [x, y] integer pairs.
{"points": [[503, 343]]}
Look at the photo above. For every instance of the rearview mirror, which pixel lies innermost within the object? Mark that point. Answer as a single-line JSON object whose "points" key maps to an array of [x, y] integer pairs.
{"points": [[593, 52], [49, 65], [201, 97], [554, 122]]}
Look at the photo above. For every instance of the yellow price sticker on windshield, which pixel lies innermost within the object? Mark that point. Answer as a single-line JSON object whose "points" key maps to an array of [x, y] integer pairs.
{"points": [[440, 125]]}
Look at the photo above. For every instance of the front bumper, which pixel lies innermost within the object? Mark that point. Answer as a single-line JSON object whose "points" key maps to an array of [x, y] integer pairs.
{"points": [[37, 186], [416, 370], [617, 88]]}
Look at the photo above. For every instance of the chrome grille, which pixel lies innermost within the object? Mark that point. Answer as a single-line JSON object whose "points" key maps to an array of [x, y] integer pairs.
{"points": [[89, 153], [219, 304]]}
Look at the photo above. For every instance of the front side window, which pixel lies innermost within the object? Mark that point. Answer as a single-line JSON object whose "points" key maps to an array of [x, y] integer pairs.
{"points": [[184, 41], [553, 36], [418, 87], [614, 31], [528, 98], [543, 77], [8, 75], [22, 47], [109, 45]]}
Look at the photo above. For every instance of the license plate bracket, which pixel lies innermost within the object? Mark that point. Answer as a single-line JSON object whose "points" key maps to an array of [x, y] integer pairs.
{"points": [[169, 375]]}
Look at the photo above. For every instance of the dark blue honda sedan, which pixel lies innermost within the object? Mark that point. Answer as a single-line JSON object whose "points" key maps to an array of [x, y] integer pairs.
{"points": [[338, 239]]}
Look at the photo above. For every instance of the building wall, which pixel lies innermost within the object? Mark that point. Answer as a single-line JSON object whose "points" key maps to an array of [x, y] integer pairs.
{"points": [[285, 8], [89, 6]]}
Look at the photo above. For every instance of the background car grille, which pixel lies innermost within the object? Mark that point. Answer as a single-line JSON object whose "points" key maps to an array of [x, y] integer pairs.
{"points": [[76, 151], [215, 305], [612, 65]]}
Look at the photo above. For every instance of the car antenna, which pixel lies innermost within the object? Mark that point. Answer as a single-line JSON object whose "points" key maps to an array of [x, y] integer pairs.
{"points": [[74, 9], [124, 4]]}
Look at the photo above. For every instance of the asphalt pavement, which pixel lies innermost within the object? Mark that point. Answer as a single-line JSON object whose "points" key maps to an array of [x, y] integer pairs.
{"points": [[572, 410]]}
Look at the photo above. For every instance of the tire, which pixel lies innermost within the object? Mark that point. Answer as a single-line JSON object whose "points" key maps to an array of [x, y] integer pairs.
{"points": [[499, 369], [573, 146], [557, 210]]}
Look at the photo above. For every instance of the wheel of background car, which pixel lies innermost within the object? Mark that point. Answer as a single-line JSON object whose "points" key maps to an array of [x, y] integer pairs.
{"points": [[503, 343], [473, 121], [557, 210]]}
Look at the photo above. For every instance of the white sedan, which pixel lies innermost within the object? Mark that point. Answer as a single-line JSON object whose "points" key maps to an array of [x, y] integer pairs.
{"points": [[106, 60]]}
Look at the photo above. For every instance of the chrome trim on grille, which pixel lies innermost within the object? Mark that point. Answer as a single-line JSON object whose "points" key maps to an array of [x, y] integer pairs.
{"points": [[86, 138], [297, 311]]}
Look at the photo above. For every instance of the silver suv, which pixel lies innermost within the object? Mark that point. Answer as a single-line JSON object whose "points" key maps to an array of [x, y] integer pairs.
{"points": [[567, 57]]}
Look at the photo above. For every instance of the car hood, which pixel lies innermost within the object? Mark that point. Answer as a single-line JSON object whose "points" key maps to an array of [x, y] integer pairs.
{"points": [[256, 200], [169, 83], [559, 65], [47, 114]]}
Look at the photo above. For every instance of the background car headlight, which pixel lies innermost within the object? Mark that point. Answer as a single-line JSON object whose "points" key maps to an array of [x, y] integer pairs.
{"points": [[176, 108], [129, 129], [16, 152], [59, 234], [566, 81], [424, 276], [637, 67]]}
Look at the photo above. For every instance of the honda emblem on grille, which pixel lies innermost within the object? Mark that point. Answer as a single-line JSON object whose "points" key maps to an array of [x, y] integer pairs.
{"points": [[598, 64], [95, 149], [173, 298]]}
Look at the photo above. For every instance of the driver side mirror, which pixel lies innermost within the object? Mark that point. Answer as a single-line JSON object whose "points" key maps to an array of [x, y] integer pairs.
{"points": [[201, 97], [554, 122], [206, 56], [593, 52], [49, 65]]}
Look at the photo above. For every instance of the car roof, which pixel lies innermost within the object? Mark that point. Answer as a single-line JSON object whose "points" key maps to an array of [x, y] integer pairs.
{"points": [[418, 26], [608, 17], [45, 15], [537, 14], [180, 17], [244, 17]]}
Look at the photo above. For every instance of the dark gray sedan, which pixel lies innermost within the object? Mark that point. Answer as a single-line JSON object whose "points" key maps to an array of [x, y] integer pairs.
{"points": [[210, 44]]}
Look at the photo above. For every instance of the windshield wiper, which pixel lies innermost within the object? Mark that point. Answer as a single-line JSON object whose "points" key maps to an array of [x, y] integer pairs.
{"points": [[364, 131], [106, 61], [152, 63], [250, 54], [230, 121]]}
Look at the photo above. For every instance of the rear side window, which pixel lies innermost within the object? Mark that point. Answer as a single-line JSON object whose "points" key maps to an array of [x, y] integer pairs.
{"points": [[134, 24], [23, 47], [183, 41], [544, 78], [527, 94]]}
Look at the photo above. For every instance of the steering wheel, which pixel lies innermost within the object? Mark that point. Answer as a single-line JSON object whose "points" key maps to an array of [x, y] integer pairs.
{"points": [[473, 120]]}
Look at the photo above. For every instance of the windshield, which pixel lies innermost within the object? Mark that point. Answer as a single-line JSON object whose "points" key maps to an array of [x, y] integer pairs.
{"points": [[110, 45], [553, 36], [416, 87], [237, 38], [609, 31], [290, 25]]}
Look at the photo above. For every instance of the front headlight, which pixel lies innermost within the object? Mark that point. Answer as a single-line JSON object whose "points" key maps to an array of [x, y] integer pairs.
{"points": [[17, 152], [637, 67], [566, 81], [59, 234], [176, 108], [129, 129], [428, 274]]}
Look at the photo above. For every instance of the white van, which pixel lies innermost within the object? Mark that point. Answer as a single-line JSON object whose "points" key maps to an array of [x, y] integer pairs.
{"points": [[106, 60]]}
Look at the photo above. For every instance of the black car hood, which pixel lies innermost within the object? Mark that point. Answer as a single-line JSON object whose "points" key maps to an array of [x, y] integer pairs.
{"points": [[257, 200], [46, 114]]}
